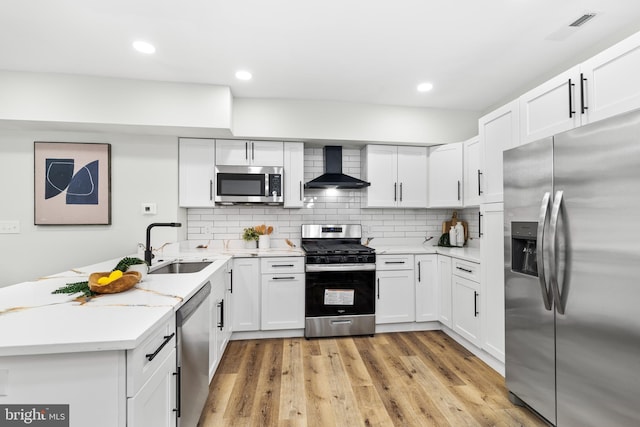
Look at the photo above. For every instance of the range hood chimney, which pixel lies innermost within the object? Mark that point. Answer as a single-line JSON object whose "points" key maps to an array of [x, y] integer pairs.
{"points": [[333, 176]]}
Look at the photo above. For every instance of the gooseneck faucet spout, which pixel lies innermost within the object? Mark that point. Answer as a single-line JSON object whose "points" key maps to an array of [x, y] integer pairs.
{"points": [[148, 254]]}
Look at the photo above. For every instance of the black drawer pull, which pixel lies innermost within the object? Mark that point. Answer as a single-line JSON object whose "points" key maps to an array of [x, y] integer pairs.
{"points": [[153, 355], [394, 262], [475, 304], [282, 265], [465, 270], [283, 278]]}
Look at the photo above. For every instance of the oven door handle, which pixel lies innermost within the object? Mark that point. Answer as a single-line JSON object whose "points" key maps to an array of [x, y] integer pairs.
{"points": [[312, 268]]}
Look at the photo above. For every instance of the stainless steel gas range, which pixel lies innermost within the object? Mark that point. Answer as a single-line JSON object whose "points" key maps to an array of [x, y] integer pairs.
{"points": [[340, 281]]}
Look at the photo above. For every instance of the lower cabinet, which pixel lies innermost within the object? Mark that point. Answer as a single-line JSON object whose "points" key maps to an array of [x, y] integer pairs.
{"points": [[246, 294], [466, 300], [445, 290], [395, 289], [282, 293], [155, 402], [426, 275]]}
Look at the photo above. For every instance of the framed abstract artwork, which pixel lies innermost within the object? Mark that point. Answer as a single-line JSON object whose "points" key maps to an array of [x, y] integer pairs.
{"points": [[72, 183]]}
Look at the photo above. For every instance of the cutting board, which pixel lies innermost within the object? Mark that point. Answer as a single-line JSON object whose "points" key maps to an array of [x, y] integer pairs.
{"points": [[446, 225]]}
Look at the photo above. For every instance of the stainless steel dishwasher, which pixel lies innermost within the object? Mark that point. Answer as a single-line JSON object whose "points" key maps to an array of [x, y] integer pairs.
{"points": [[192, 327]]}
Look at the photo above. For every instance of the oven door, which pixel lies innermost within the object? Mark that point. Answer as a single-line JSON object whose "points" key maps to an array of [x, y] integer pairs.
{"points": [[339, 293]]}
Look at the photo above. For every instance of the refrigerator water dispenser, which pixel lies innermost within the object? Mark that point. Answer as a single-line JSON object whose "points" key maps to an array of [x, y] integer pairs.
{"points": [[524, 247]]}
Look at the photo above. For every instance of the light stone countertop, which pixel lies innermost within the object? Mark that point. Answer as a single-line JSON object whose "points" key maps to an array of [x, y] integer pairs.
{"points": [[471, 254]]}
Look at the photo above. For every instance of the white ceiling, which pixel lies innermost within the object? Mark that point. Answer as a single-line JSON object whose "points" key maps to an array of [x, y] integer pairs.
{"points": [[476, 52]]}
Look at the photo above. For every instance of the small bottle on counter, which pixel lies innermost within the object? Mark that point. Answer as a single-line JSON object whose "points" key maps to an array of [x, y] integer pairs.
{"points": [[453, 236], [459, 234]]}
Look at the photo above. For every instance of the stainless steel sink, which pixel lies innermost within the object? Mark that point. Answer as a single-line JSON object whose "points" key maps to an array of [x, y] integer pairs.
{"points": [[179, 267]]}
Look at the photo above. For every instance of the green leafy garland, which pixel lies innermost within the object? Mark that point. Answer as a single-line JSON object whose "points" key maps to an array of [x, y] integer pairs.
{"points": [[73, 288]]}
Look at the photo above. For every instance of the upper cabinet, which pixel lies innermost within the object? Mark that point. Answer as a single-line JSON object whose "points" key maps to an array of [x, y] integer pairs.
{"points": [[499, 131], [398, 176], [471, 190], [445, 175], [601, 87], [196, 160], [293, 174], [232, 152]]}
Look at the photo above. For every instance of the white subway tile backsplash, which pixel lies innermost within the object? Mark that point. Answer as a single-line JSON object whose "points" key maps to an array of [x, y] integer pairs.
{"points": [[323, 206]]}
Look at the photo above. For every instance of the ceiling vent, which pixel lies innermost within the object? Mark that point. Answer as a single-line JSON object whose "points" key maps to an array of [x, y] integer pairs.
{"points": [[582, 20]]}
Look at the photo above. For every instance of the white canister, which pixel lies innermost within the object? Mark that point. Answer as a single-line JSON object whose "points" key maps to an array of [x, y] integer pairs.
{"points": [[459, 234], [453, 236], [264, 241]]}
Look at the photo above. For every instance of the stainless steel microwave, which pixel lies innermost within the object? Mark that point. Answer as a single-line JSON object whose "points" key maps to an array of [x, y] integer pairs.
{"points": [[248, 184]]}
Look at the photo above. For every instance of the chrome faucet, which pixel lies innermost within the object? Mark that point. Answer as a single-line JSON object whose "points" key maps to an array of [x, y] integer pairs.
{"points": [[148, 254]]}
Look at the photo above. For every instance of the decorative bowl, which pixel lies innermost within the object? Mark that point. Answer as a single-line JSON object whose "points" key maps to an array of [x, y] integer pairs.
{"points": [[124, 283]]}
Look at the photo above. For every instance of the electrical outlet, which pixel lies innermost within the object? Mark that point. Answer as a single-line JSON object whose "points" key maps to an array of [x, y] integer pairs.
{"points": [[149, 209], [9, 227], [208, 229]]}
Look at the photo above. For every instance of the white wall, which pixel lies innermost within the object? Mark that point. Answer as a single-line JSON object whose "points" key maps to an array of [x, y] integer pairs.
{"points": [[340, 121], [143, 169]]}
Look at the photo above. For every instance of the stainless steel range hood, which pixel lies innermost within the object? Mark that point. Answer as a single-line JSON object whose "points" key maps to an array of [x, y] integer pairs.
{"points": [[333, 176]]}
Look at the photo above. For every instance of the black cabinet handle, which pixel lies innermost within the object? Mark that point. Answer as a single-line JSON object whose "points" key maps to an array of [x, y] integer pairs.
{"points": [[583, 107], [246, 151], [479, 224], [253, 151], [210, 189], [464, 269], [394, 262], [153, 355], [178, 394], [400, 191], [479, 189], [458, 190], [231, 281], [475, 304], [419, 280], [282, 265], [395, 191], [378, 288], [571, 111], [283, 278], [221, 319]]}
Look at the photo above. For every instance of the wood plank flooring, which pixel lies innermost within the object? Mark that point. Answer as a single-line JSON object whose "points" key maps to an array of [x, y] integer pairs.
{"points": [[399, 379]]}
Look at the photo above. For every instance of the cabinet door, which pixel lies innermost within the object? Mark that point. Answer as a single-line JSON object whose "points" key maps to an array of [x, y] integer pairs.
{"points": [[246, 294], [492, 279], [380, 168], [444, 290], [196, 160], [412, 177], [293, 174], [266, 153], [499, 131], [552, 107], [445, 175], [232, 152], [612, 80], [282, 301], [228, 307], [395, 291], [471, 162], [426, 269], [466, 309], [154, 404], [217, 312]]}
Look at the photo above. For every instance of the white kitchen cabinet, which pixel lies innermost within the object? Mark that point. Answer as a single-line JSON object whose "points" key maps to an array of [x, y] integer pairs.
{"points": [[283, 289], [155, 402], [444, 290], [293, 174], [398, 176], [445, 175], [466, 309], [613, 80], [426, 272], [395, 289], [219, 329], [231, 152], [471, 176], [492, 278], [196, 161], [498, 131], [246, 294]]}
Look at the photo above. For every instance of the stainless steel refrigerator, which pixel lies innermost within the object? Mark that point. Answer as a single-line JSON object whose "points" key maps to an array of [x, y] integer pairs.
{"points": [[572, 274]]}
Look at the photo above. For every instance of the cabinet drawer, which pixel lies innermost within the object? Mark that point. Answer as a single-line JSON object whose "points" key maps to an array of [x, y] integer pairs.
{"points": [[466, 269], [145, 359], [394, 262], [282, 265]]}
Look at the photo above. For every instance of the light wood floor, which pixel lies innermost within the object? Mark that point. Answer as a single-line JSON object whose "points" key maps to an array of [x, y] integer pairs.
{"points": [[399, 379]]}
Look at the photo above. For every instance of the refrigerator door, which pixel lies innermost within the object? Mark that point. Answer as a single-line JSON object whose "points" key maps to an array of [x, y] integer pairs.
{"points": [[597, 169], [529, 333]]}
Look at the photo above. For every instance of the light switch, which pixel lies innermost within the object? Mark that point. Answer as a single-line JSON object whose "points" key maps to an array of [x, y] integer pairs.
{"points": [[149, 209], [9, 227]]}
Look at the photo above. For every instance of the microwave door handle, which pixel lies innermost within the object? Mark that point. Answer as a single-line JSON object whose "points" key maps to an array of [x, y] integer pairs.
{"points": [[540, 253]]}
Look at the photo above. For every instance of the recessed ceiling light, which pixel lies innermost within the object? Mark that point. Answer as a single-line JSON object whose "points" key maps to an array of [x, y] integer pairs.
{"points": [[144, 47], [243, 75], [425, 87]]}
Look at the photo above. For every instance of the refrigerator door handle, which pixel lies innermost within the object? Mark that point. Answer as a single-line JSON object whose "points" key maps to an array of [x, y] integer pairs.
{"points": [[556, 212], [540, 253]]}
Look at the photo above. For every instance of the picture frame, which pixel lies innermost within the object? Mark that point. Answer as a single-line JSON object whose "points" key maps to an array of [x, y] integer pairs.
{"points": [[72, 183]]}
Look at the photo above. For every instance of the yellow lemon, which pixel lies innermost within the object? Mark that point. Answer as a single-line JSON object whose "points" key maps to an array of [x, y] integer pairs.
{"points": [[105, 280]]}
